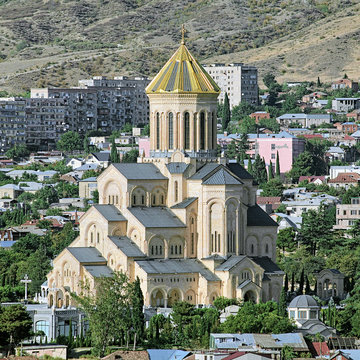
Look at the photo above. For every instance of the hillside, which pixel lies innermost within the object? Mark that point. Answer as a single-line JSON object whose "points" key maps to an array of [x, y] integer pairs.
{"points": [[56, 42]]}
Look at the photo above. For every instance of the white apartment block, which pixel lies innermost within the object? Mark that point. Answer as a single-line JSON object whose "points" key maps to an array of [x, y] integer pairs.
{"points": [[347, 214], [12, 122], [239, 81]]}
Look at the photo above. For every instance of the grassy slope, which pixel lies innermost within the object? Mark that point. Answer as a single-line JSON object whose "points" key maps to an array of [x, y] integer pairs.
{"points": [[56, 42]]}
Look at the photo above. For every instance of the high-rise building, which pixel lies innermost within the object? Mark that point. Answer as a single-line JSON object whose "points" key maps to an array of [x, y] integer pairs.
{"points": [[239, 81]]}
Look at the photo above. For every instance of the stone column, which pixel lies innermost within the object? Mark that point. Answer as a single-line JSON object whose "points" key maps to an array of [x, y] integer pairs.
{"points": [[166, 132], [210, 127], [191, 124], [224, 233], [206, 142], [181, 132], [207, 245], [214, 130], [198, 132], [237, 233], [152, 132], [175, 130]]}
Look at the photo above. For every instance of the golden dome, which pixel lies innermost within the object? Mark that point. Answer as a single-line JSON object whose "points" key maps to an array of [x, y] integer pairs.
{"points": [[182, 74]]}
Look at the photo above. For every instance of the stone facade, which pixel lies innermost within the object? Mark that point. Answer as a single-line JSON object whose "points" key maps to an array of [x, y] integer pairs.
{"points": [[182, 220]]}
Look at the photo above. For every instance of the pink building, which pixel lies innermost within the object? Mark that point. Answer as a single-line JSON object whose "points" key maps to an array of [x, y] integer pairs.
{"points": [[144, 146], [267, 146]]}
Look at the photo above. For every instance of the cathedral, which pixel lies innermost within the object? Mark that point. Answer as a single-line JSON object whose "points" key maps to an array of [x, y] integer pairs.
{"points": [[183, 220]]}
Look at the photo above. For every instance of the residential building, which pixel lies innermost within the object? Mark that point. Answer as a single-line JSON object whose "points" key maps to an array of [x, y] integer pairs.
{"points": [[10, 191], [298, 207], [345, 180], [345, 83], [258, 115], [313, 179], [347, 127], [345, 105], [311, 98], [288, 146], [354, 115], [335, 153], [305, 120], [182, 220], [12, 123], [346, 354], [239, 81], [87, 187], [347, 214], [336, 170]]}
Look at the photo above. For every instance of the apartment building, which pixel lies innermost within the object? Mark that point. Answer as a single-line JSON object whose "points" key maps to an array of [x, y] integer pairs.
{"points": [[239, 81], [347, 214], [345, 104], [12, 122]]}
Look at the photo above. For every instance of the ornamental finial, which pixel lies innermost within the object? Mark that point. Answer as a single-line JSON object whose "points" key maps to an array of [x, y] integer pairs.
{"points": [[183, 31]]}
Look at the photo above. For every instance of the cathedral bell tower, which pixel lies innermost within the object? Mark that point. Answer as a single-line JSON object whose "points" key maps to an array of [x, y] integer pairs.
{"points": [[183, 103]]}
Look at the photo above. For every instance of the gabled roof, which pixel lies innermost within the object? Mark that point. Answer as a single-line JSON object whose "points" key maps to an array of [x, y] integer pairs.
{"points": [[258, 217], [90, 179], [110, 212], [176, 266], [127, 246], [239, 171], [267, 264], [185, 203], [204, 171], [346, 178], [86, 254], [177, 167], [164, 354], [102, 155], [99, 270], [221, 177], [134, 171], [182, 74], [230, 263], [156, 217]]}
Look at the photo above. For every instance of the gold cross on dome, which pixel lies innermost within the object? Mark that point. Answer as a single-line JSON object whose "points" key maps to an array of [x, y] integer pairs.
{"points": [[183, 31]]}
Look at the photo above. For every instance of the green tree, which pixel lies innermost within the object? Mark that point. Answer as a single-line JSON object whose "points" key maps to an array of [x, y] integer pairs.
{"points": [[108, 310], [221, 302], [63, 238], [114, 155], [146, 130], [250, 165], [15, 324], [274, 187], [286, 239], [282, 308], [86, 144], [269, 80], [259, 170], [301, 282], [302, 166], [318, 82], [18, 152], [96, 196], [131, 156], [69, 141], [137, 304], [277, 167], [270, 171], [226, 113]]}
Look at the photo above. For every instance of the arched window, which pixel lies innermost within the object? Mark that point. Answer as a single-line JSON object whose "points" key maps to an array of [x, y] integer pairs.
{"points": [[252, 248], [187, 130], [171, 130], [266, 248], [157, 131], [202, 131], [176, 191]]}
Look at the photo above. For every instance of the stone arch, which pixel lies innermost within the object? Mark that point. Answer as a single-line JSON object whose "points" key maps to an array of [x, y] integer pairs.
{"points": [[250, 295], [252, 247], [192, 245], [111, 192], [216, 226], [90, 234], [134, 234], [267, 248], [174, 295], [117, 232], [246, 274], [51, 300], [231, 206], [156, 247], [176, 247], [158, 196], [138, 196], [111, 261], [190, 297], [59, 298], [158, 297]]}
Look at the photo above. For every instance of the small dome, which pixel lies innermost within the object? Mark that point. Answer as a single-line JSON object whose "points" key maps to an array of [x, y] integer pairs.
{"points": [[303, 301]]}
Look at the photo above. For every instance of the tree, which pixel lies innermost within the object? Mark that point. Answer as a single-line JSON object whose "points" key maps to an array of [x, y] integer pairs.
{"points": [[146, 130], [69, 141], [131, 156], [226, 113], [274, 187], [318, 82], [270, 171], [63, 238], [86, 144], [286, 283], [137, 304], [282, 308], [277, 168], [221, 302], [250, 166], [286, 239], [108, 310], [302, 166], [18, 152], [269, 80], [15, 324], [301, 282], [114, 155], [259, 170]]}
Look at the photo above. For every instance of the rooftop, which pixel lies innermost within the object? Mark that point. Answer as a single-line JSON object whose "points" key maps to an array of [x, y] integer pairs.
{"points": [[134, 171]]}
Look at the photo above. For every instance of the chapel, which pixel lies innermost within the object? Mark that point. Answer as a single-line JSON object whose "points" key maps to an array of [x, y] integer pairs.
{"points": [[184, 220]]}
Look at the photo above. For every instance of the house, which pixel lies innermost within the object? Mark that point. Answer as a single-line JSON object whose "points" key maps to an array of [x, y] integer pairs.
{"points": [[41, 175], [354, 115], [260, 115], [30, 186], [305, 120], [319, 104], [165, 354], [102, 159], [345, 105], [336, 170], [345, 83], [345, 180], [345, 354], [79, 172], [286, 221], [317, 180], [74, 163], [87, 187], [347, 214], [347, 127], [10, 191], [231, 310], [310, 98], [298, 207], [319, 350], [304, 311], [268, 203], [335, 153]]}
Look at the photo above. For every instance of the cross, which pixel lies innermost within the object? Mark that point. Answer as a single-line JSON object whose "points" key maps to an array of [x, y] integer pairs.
{"points": [[26, 280], [183, 31]]}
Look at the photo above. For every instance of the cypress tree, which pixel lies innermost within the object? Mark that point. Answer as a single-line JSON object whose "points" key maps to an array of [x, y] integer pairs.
{"points": [[249, 169], [301, 282], [226, 113], [277, 169], [270, 171], [286, 283], [138, 319], [282, 304], [292, 282], [318, 82], [307, 286], [114, 156]]}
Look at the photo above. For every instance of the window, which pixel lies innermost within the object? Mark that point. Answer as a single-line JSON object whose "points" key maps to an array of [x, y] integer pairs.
{"points": [[273, 156], [176, 191], [195, 132], [272, 146], [302, 314], [187, 130], [313, 314], [171, 130], [353, 212], [292, 314], [157, 131], [98, 238], [42, 325], [202, 131]]}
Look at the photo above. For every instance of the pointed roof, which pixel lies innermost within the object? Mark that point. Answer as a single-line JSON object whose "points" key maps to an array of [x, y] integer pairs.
{"points": [[183, 74]]}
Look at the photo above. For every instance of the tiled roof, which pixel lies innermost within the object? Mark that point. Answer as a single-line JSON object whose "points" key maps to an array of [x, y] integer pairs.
{"points": [[156, 217], [99, 270], [185, 203], [268, 200], [258, 217], [134, 171], [346, 178], [221, 177], [176, 266], [177, 167], [86, 254], [127, 246], [110, 212]]}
